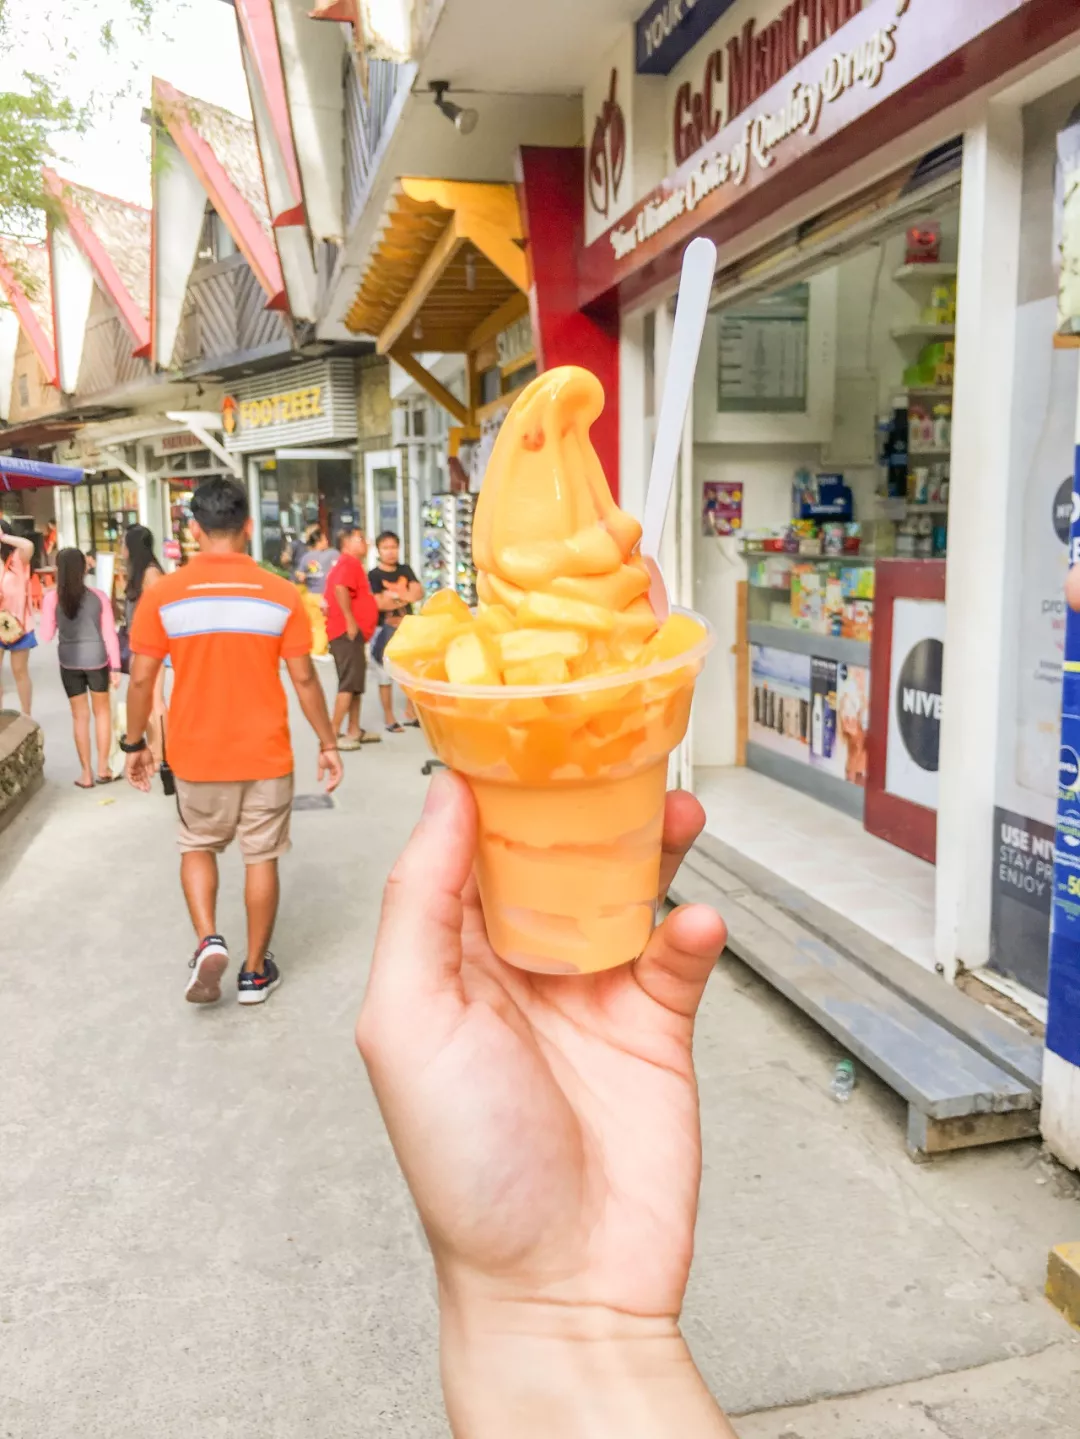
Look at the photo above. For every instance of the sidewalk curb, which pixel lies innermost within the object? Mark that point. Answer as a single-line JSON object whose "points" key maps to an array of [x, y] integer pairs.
{"points": [[1063, 1281]]}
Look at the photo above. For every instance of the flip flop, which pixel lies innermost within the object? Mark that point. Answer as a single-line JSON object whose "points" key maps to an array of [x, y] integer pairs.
{"points": [[394, 729], [412, 724], [78, 785], [106, 779]]}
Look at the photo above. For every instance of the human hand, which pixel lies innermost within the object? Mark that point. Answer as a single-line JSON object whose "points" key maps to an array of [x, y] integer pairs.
{"points": [[139, 768], [547, 1125], [330, 768], [114, 679], [352, 630]]}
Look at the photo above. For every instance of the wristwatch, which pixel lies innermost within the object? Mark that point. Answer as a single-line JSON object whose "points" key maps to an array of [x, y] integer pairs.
{"points": [[132, 748]]}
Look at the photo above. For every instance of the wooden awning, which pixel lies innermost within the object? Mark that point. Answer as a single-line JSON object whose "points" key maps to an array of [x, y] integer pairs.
{"points": [[448, 271]]}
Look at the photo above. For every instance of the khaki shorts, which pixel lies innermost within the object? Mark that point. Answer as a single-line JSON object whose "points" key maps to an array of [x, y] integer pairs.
{"points": [[256, 812]]}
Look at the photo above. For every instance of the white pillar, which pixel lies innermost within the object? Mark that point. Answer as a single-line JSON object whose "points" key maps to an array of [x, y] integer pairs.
{"points": [[633, 426], [255, 506], [982, 406], [1061, 1066]]}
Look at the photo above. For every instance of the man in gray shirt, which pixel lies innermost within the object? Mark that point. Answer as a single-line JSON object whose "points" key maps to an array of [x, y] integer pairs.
{"points": [[319, 559]]}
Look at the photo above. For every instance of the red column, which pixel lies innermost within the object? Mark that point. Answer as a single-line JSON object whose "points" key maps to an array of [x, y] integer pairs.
{"points": [[551, 196]]}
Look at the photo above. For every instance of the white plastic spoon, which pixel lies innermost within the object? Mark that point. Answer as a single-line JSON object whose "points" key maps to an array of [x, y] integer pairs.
{"points": [[695, 287]]}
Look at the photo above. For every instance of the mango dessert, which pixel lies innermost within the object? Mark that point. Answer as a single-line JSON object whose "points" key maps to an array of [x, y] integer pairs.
{"points": [[561, 698]]}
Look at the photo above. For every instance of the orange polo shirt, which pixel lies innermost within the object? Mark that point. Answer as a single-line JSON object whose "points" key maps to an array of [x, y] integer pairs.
{"points": [[226, 624]]}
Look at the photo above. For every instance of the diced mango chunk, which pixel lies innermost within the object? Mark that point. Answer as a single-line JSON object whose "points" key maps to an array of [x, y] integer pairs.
{"points": [[471, 659], [521, 645], [495, 591], [637, 621], [675, 636], [494, 619], [563, 613], [422, 637], [545, 670], [446, 602]]}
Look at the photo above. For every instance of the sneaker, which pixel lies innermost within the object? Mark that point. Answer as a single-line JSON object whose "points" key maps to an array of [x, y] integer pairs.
{"points": [[253, 988], [207, 965]]}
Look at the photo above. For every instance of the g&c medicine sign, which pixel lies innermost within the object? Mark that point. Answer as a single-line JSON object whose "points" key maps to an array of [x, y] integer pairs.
{"points": [[306, 404], [754, 59]]}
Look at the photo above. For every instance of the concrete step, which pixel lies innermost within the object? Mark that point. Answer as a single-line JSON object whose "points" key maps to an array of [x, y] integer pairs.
{"points": [[957, 1094]]}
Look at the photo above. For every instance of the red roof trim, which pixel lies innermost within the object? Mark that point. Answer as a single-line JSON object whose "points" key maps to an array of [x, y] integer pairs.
{"points": [[259, 29], [98, 256], [20, 303], [244, 227]]}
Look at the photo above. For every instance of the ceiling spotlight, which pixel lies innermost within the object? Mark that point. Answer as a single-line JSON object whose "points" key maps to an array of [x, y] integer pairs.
{"points": [[418, 331], [464, 121]]}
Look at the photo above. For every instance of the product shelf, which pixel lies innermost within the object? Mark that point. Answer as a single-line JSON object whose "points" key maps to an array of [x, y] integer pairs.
{"points": [[924, 332], [934, 271], [806, 642]]}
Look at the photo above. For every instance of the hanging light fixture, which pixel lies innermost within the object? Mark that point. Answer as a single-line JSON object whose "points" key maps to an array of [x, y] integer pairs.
{"points": [[470, 271], [464, 120]]}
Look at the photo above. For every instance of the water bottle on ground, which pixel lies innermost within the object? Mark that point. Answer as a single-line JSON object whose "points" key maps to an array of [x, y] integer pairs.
{"points": [[843, 1081]]}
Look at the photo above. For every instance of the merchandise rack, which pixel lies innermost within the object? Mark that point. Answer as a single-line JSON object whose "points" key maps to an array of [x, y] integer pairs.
{"points": [[447, 546]]}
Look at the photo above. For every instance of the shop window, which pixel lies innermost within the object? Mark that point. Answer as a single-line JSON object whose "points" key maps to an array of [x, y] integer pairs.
{"points": [[520, 378], [490, 382], [215, 243]]}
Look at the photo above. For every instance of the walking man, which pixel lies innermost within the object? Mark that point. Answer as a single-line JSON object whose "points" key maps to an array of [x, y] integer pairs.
{"points": [[396, 590], [350, 622], [226, 624]]}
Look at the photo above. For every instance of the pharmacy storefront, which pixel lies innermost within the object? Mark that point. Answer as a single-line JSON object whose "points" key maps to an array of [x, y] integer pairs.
{"points": [[849, 480], [297, 430]]}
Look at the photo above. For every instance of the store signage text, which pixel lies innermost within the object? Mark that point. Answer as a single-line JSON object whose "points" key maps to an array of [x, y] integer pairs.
{"points": [[182, 440], [670, 29], [760, 138], [752, 63], [280, 409], [607, 152]]}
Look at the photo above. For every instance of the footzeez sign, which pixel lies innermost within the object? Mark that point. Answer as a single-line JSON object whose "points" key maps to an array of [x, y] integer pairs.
{"points": [[302, 405]]}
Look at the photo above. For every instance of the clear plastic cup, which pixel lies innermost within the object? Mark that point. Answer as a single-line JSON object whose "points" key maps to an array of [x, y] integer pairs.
{"points": [[569, 783]]}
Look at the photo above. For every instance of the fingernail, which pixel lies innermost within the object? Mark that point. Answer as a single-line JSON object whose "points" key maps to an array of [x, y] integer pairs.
{"points": [[439, 795]]}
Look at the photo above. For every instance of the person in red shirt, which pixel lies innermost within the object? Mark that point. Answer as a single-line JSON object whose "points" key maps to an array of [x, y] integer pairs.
{"points": [[227, 624], [351, 617]]}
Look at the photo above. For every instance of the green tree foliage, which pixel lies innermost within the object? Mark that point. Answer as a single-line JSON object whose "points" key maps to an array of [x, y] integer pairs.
{"points": [[35, 113]]}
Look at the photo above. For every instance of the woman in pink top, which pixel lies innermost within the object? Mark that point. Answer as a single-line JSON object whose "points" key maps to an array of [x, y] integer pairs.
{"points": [[16, 555], [82, 619]]}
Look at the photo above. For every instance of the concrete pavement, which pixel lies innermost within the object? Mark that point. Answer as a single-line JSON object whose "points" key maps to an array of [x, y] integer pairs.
{"points": [[204, 1232]]}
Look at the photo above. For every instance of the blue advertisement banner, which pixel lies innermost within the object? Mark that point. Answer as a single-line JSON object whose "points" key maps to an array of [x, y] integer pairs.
{"points": [[1063, 1026], [669, 28]]}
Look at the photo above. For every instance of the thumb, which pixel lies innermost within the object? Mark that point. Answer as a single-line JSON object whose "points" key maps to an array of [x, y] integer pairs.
{"points": [[418, 946], [679, 958]]}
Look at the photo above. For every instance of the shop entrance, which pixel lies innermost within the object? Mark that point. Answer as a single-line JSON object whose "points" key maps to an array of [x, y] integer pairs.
{"points": [[822, 424], [298, 489], [384, 497]]}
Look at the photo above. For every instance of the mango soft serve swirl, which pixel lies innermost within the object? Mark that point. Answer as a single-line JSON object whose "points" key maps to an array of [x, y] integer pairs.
{"points": [[569, 784], [562, 589]]}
